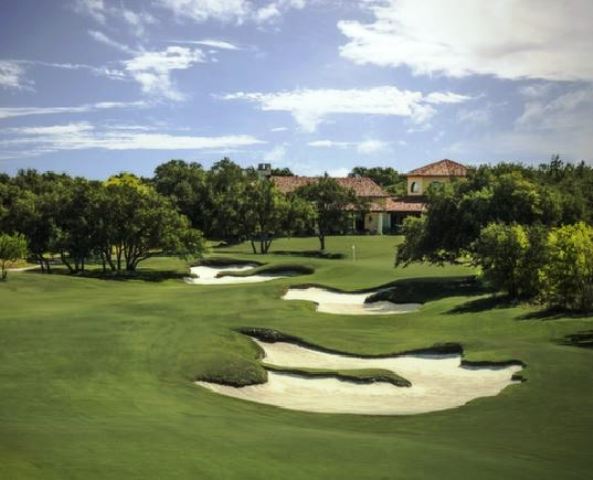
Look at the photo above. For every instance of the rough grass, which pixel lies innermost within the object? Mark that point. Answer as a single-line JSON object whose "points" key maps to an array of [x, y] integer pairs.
{"points": [[97, 379], [363, 375]]}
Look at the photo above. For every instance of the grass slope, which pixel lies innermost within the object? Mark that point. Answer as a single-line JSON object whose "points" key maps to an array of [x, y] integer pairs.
{"points": [[96, 379]]}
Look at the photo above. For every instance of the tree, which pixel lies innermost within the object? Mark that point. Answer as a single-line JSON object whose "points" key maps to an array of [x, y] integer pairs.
{"points": [[139, 223], [185, 184], [265, 211], [568, 273], [500, 252], [386, 177], [282, 172], [333, 206], [227, 183], [12, 248]]}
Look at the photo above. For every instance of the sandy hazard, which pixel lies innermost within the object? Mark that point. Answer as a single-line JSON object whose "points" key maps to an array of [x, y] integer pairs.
{"points": [[439, 382], [347, 303], [209, 276]]}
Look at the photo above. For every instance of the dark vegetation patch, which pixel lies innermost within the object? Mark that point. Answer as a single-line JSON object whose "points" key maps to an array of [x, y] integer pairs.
{"points": [[231, 369], [147, 275], [284, 269], [273, 336], [582, 339], [225, 262], [555, 313], [359, 376]]}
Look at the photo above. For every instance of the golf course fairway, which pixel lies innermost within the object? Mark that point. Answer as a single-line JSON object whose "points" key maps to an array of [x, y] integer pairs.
{"points": [[97, 376]]}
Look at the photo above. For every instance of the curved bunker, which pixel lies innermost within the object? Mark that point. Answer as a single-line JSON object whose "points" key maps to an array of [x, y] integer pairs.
{"points": [[330, 301], [438, 382], [212, 273]]}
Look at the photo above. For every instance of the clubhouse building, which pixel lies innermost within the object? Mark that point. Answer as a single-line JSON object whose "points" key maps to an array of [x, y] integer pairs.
{"points": [[385, 212]]}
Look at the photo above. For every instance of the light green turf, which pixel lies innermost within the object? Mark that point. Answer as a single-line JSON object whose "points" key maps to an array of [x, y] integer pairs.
{"points": [[95, 381]]}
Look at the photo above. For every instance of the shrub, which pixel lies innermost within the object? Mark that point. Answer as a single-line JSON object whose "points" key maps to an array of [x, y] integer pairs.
{"points": [[568, 273]]}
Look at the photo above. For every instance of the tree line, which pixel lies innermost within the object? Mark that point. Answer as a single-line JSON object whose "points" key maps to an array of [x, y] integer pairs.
{"points": [[528, 228], [124, 220]]}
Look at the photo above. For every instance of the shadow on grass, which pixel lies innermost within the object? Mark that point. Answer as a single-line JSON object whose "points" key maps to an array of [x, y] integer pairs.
{"points": [[310, 254], [582, 339], [554, 314], [428, 289], [144, 275], [485, 303]]}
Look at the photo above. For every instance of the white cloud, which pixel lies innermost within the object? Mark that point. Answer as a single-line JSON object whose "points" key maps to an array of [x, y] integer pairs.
{"points": [[93, 8], [365, 147], [437, 98], [569, 111], [12, 76], [83, 135], [152, 70], [368, 147], [102, 38], [277, 154], [560, 124], [310, 107], [279, 129], [11, 112], [477, 117], [101, 11], [510, 39], [209, 42], [231, 11]]}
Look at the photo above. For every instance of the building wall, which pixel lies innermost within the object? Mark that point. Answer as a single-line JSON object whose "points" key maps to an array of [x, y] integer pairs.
{"points": [[424, 183]]}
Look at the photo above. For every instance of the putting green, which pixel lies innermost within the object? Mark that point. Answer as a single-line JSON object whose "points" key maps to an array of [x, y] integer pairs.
{"points": [[97, 378]]}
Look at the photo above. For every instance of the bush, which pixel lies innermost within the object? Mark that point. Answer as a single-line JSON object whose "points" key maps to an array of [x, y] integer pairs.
{"points": [[568, 274]]}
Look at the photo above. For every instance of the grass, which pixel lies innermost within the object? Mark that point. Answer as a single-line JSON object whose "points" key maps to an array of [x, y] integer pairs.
{"points": [[361, 375], [97, 378]]}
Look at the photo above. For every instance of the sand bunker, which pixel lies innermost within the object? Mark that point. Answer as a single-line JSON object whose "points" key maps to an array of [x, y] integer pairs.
{"points": [[439, 382], [208, 275], [347, 303]]}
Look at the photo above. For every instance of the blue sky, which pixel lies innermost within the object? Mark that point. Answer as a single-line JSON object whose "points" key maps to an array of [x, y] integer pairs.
{"points": [[93, 87]]}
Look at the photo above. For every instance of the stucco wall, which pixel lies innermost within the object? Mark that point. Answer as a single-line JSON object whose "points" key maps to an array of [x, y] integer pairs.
{"points": [[424, 183]]}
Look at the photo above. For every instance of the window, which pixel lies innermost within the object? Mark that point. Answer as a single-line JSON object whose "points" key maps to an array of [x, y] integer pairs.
{"points": [[436, 184], [415, 187]]}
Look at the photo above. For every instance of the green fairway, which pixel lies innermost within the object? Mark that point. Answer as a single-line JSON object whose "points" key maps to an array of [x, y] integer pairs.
{"points": [[96, 378]]}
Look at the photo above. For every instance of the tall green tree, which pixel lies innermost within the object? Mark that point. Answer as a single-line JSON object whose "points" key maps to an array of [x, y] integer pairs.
{"points": [[185, 184], [333, 206]]}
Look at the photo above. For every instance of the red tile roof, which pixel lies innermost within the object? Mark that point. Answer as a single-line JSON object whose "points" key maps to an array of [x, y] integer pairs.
{"points": [[362, 186], [442, 168]]}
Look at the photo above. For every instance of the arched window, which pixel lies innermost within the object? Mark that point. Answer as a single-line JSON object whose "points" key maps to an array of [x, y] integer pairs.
{"points": [[415, 187], [436, 184]]}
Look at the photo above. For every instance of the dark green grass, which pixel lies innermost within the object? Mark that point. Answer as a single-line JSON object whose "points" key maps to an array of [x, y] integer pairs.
{"points": [[362, 376], [96, 379]]}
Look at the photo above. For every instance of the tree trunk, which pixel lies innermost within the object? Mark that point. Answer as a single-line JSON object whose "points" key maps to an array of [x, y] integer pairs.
{"points": [[322, 242], [253, 246], [65, 262]]}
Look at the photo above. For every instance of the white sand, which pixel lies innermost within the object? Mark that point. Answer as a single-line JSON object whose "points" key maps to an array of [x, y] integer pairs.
{"points": [[208, 276], [347, 303], [439, 382]]}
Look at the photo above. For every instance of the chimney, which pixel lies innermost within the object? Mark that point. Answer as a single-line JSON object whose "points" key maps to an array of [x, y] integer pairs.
{"points": [[264, 170]]}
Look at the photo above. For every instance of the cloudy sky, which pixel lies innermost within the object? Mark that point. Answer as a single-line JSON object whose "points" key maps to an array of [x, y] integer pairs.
{"points": [[94, 87]]}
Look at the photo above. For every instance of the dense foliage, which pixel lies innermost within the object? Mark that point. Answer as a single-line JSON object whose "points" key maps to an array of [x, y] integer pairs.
{"points": [[332, 206], [12, 248], [387, 177], [524, 226], [121, 221]]}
